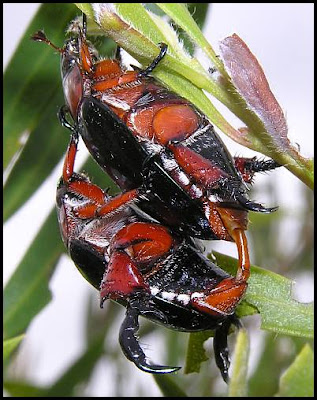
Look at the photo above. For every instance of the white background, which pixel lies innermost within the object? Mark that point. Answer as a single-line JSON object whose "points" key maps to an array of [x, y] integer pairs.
{"points": [[281, 37]]}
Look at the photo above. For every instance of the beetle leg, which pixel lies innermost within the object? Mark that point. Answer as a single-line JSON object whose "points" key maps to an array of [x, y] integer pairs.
{"points": [[243, 271], [69, 162], [84, 53], [146, 241], [84, 188], [222, 299], [249, 166], [63, 120], [252, 206], [98, 206], [235, 221], [221, 351], [118, 54], [220, 344], [154, 63], [122, 278], [130, 345], [118, 201]]}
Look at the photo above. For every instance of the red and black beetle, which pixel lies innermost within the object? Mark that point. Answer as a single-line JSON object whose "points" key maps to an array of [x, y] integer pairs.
{"points": [[144, 266], [159, 148], [166, 157]]}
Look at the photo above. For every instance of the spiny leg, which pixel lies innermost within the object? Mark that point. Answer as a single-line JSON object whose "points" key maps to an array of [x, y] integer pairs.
{"points": [[87, 63], [155, 62], [249, 166], [123, 281]]}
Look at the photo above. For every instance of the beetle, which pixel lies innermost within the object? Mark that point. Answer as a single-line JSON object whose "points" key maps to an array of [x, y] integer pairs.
{"points": [[145, 266], [160, 149]]}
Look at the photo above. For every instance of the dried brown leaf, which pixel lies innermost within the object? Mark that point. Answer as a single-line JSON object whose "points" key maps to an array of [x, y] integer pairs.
{"points": [[249, 79]]}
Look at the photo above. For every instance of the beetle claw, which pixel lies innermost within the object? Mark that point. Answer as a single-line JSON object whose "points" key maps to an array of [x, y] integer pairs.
{"points": [[157, 369], [221, 349], [131, 347], [252, 206]]}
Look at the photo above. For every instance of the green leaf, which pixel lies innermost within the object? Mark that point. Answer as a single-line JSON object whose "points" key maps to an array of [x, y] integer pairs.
{"points": [[298, 379], [48, 140], [27, 291], [238, 386], [9, 345], [198, 12], [271, 295], [23, 389], [43, 150], [30, 80], [168, 386], [181, 15], [195, 351]]}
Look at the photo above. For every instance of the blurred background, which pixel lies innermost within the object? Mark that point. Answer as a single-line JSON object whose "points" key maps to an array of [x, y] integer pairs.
{"points": [[281, 37]]}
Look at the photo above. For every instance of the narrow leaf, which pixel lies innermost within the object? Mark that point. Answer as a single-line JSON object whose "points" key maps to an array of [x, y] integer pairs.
{"points": [[43, 150], [23, 389], [28, 84], [168, 386], [27, 291], [79, 372], [238, 380], [10, 345], [199, 12], [298, 379], [195, 351], [180, 14]]}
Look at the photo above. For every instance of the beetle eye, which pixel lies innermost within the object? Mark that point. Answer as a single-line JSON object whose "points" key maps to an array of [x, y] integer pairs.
{"points": [[72, 85]]}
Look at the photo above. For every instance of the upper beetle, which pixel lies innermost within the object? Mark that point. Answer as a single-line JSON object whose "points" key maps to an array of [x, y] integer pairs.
{"points": [[158, 147]]}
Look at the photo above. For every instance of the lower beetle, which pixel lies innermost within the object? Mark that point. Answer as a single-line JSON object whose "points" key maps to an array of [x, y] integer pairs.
{"points": [[144, 266]]}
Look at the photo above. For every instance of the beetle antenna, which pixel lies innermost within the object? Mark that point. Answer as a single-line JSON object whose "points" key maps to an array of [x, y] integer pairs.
{"points": [[40, 36]]}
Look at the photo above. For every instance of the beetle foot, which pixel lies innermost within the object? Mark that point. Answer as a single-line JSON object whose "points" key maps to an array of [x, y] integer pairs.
{"points": [[131, 347], [252, 206], [221, 346]]}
